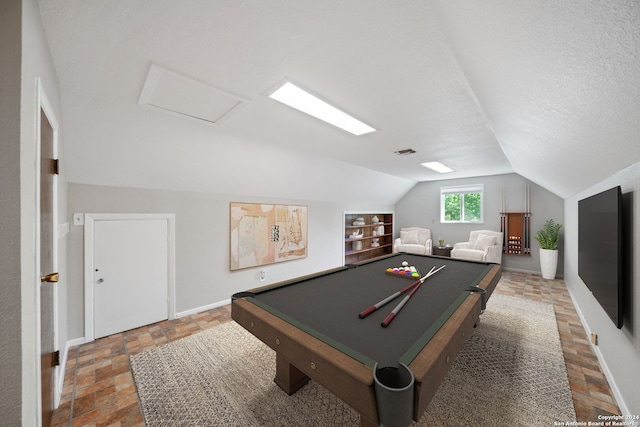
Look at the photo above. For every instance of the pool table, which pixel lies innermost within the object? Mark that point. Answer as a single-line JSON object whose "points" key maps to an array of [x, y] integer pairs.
{"points": [[312, 323]]}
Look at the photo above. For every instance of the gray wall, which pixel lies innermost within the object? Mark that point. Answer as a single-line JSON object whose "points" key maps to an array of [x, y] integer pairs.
{"points": [[10, 271], [202, 242], [618, 349], [420, 207]]}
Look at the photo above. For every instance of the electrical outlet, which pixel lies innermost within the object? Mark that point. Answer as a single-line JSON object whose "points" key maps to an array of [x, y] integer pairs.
{"points": [[263, 275], [78, 219]]}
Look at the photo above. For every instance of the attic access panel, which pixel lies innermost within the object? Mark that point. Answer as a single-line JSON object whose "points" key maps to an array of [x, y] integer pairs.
{"points": [[183, 95]]}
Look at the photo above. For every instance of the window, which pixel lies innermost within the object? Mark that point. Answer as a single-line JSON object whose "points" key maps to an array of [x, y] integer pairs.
{"points": [[461, 204]]}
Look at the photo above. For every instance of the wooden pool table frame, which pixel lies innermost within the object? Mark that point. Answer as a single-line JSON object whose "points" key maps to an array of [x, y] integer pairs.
{"points": [[300, 356]]}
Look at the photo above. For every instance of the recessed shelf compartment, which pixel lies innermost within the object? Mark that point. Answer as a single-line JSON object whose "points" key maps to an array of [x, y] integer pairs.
{"points": [[367, 235]]}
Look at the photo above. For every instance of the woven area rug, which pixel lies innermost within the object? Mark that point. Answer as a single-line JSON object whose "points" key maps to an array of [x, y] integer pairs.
{"points": [[509, 372]]}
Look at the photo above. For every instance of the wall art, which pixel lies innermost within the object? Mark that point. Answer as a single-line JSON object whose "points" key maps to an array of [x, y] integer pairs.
{"points": [[266, 233]]}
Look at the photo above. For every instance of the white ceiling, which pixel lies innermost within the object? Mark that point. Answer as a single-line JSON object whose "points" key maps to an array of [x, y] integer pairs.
{"points": [[547, 89]]}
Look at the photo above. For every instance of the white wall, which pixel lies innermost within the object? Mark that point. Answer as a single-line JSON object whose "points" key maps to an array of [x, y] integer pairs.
{"points": [[618, 349], [203, 277], [421, 207]]}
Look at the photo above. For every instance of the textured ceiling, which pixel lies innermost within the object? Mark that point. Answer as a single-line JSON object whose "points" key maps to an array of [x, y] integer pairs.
{"points": [[546, 89]]}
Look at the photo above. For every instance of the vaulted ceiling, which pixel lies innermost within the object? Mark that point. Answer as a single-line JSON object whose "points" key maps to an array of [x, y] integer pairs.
{"points": [[547, 89]]}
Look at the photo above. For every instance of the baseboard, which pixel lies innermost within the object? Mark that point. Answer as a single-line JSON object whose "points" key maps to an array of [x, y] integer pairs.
{"points": [[605, 368], [62, 368], [520, 270], [203, 308]]}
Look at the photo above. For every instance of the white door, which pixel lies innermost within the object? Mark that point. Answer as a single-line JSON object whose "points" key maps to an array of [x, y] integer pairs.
{"points": [[130, 277]]}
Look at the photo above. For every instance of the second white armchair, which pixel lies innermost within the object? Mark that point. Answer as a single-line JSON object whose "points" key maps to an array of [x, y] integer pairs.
{"points": [[483, 245]]}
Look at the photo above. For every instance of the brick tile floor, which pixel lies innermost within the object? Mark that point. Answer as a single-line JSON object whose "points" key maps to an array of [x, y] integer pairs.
{"points": [[99, 389]]}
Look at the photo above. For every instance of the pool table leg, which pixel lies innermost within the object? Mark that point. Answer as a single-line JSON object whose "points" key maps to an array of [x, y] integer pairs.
{"points": [[289, 378], [365, 422]]}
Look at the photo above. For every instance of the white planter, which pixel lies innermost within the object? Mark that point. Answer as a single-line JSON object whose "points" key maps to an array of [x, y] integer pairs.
{"points": [[549, 263]]}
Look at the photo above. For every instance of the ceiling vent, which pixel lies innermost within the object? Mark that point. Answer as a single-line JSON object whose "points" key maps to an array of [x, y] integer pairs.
{"points": [[180, 94], [405, 152]]}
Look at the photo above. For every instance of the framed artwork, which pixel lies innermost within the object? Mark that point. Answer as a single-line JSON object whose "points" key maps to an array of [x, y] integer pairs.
{"points": [[266, 233]]}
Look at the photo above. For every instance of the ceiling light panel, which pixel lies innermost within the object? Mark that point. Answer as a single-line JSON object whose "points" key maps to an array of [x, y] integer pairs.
{"points": [[295, 97], [438, 167]]}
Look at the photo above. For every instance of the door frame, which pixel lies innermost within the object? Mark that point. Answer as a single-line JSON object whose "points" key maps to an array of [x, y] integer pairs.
{"points": [[43, 104], [89, 220]]}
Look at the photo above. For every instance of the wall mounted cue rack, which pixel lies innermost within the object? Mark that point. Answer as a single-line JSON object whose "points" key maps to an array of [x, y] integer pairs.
{"points": [[516, 231], [516, 227]]}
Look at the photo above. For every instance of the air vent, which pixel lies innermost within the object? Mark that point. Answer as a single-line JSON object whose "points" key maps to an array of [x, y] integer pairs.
{"points": [[405, 152]]}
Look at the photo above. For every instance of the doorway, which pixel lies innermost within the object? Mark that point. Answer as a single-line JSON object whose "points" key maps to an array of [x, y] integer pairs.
{"points": [[129, 265]]}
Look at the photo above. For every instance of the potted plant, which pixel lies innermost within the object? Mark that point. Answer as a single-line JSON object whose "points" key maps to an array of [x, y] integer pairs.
{"points": [[548, 239]]}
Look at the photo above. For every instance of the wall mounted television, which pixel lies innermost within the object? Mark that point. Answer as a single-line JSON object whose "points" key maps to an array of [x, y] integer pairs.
{"points": [[600, 257]]}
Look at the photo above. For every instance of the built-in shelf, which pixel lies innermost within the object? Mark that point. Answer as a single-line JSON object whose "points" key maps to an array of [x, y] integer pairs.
{"points": [[374, 233]]}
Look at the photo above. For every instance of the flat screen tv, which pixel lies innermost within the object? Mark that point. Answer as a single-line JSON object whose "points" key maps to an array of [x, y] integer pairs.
{"points": [[600, 249]]}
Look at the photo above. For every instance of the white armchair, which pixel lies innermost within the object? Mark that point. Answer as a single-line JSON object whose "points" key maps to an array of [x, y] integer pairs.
{"points": [[483, 245], [413, 240]]}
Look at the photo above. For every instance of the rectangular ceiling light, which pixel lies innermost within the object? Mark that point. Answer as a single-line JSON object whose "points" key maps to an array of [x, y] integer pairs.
{"points": [[293, 96], [438, 167]]}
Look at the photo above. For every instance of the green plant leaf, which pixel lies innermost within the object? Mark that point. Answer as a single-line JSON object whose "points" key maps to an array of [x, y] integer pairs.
{"points": [[548, 236]]}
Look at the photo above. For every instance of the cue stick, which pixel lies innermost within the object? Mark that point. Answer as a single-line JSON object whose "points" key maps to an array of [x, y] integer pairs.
{"points": [[376, 306], [387, 320]]}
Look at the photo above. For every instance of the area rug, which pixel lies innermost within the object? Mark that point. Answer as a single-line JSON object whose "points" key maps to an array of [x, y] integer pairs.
{"points": [[509, 372]]}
